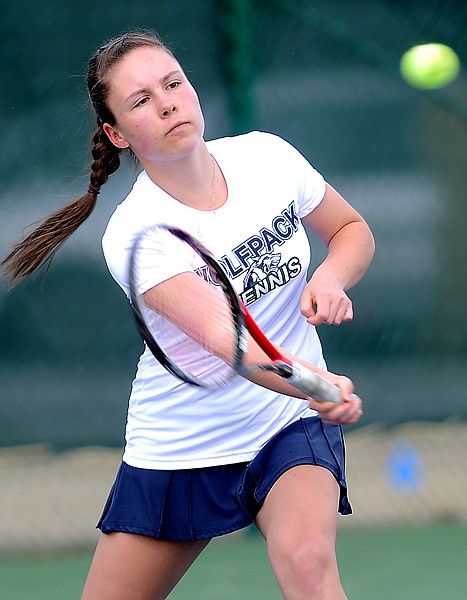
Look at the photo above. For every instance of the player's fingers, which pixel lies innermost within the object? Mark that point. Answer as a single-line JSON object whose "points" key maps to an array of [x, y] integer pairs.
{"points": [[350, 411], [346, 413], [331, 312], [308, 307], [321, 314], [341, 311], [345, 385], [344, 315]]}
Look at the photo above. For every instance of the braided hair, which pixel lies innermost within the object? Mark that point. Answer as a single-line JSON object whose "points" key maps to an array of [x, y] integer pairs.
{"points": [[41, 245]]}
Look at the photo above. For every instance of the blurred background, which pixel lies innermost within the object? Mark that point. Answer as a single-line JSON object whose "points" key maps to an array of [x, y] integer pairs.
{"points": [[325, 76]]}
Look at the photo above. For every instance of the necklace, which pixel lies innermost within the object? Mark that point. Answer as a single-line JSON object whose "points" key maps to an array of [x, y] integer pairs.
{"points": [[212, 208]]}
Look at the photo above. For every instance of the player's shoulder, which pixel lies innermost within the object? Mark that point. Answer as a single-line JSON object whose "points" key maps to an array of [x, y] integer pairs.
{"points": [[142, 188], [249, 143], [129, 214]]}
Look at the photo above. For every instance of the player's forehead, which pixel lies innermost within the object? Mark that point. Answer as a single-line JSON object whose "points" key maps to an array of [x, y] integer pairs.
{"points": [[140, 66]]}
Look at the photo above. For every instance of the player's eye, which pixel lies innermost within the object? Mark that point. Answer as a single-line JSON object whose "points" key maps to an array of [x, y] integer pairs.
{"points": [[141, 101], [173, 85]]}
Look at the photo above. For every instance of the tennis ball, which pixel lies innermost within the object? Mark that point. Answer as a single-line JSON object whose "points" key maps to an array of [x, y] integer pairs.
{"points": [[429, 66]]}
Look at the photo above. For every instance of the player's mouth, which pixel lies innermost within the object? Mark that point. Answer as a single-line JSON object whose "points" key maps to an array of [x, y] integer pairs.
{"points": [[177, 127]]}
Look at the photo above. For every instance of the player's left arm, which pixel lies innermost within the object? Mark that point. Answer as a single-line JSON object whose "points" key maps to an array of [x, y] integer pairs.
{"points": [[350, 247]]}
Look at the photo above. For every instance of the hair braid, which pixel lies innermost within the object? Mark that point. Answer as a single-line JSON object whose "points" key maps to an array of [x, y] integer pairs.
{"points": [[106, 158], [42, 244]]}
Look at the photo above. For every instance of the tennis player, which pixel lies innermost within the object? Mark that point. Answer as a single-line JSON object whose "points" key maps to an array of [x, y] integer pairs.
{"points": [[202, 463]]}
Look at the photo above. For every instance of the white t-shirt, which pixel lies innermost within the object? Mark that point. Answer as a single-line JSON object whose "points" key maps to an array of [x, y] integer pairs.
{"points": [[259, 237]]}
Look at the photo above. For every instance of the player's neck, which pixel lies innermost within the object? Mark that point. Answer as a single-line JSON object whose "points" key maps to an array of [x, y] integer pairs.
{"points": [[195, 181]]}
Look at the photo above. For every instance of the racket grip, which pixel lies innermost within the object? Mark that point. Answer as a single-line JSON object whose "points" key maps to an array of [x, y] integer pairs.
{"points": [[312, 384]]}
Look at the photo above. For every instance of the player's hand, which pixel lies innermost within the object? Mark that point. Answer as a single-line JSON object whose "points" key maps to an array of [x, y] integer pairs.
{"points": [[324, 301], [346, 413]]}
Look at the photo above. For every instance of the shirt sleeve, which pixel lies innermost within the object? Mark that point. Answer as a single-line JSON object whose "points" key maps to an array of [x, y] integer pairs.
{"points": [[158, 255], [310, 184]]}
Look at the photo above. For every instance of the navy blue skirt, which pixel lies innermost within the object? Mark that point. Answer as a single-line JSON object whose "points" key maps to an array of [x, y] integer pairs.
{"points": [[196, 504]]}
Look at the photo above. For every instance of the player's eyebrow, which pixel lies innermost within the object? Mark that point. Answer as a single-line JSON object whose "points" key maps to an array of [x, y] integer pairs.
{"points": [[162, 80], [171, 74]]}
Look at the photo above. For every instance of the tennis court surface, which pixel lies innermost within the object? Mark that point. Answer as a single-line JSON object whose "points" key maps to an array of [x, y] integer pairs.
{"points": [[416, 563]]}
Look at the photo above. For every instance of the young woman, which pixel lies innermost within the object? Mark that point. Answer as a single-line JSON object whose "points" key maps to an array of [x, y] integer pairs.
{"points": [[197, 463]]}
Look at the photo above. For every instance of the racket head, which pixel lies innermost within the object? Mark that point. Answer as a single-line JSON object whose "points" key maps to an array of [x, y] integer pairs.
{"points": [[172, 346]]}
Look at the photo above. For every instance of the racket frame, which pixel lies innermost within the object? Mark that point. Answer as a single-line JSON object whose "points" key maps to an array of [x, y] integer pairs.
{"points": [[238, 318], [299, 376]]}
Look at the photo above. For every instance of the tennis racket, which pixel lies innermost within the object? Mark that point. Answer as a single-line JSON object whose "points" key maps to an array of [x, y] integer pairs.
{"points": [[177, 345]]}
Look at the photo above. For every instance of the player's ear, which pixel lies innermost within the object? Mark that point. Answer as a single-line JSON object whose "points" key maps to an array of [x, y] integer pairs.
{"points": [[115, 137]]}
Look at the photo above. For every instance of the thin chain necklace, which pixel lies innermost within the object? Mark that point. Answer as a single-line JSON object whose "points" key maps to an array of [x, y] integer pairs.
{"points": [[214, 181], [212, 208]]}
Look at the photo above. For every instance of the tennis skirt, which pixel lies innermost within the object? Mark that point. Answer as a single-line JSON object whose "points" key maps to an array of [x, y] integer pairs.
{"points": [[196, 504]]}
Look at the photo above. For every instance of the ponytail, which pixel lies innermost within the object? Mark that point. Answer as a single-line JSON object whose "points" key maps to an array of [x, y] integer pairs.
{"points": [[41, 245]]}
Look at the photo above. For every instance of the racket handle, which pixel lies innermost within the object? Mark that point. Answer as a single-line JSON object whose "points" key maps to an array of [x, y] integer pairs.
{"points": [[312, 384]]}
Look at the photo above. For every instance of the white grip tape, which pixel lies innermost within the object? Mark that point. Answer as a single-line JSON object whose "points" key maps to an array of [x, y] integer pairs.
{"points": [[314, 385]]}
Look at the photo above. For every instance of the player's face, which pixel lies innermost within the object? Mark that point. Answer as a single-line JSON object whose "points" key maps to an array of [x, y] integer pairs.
{"points": [[156, 109]]}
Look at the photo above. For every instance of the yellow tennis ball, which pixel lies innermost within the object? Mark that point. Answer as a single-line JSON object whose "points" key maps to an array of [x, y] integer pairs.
{"points": [[429, 66]]}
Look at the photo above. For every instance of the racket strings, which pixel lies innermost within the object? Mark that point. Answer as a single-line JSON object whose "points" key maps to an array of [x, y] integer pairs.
{"points": [[201, 343], [192, 348], [191, 322]]}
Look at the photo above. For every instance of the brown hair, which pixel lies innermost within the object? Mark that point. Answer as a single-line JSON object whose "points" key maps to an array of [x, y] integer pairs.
{"points": [[42, 244]]}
